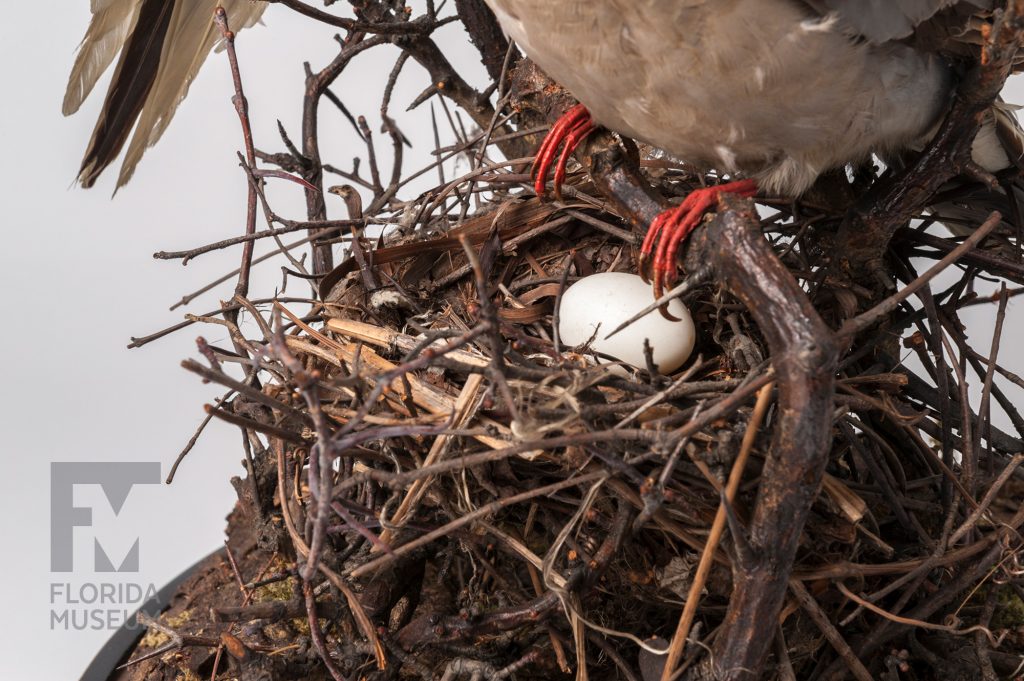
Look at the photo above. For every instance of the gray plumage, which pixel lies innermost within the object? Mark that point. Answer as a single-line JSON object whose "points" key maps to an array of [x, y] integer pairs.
{"points": [[777, 90], [882, 20]]}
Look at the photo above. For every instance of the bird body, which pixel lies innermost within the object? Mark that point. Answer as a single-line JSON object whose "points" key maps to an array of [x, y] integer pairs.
{"points": [[776, 90]]}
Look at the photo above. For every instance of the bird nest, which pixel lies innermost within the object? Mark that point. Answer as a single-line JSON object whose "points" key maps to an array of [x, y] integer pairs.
{"points": [[436, 487]]}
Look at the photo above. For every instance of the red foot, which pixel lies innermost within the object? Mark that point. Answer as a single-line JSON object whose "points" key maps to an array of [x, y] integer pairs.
{"points": [[672, 227], [567, 133]]}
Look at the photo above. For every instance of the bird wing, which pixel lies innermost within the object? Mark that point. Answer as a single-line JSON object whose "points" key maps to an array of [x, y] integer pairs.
{"points": [[162, 50], [883, 20]]}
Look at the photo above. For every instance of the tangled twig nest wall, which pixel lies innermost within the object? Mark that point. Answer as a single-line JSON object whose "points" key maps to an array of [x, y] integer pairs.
{"points": [[435, 487]]}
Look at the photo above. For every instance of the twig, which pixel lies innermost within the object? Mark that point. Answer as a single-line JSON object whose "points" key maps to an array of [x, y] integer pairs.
{"points": [[678, 643]]}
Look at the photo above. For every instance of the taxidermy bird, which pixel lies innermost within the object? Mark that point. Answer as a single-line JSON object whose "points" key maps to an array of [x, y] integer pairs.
{"points": [[162, 44], [774, 92]]}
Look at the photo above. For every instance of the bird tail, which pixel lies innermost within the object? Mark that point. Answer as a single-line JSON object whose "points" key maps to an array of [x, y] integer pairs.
{"points": [[963, 205], [163, 44]]}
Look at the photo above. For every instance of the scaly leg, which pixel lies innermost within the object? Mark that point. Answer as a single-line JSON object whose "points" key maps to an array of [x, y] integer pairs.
{"points": [[567, 133], [667, 231], [671, 228]]}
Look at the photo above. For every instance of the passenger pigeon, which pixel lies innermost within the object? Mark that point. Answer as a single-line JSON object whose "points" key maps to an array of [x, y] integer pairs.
{"points": [[772, 93]]}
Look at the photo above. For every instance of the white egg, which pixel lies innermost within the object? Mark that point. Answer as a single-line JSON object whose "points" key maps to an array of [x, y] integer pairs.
{"points": [[600, 302]]}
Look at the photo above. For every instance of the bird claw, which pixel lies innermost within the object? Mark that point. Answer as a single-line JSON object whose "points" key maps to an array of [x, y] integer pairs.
{"points": [[568, 131], [657, 261]]}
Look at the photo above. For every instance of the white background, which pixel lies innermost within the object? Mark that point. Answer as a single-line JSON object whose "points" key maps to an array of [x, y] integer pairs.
{"points": [[78, 281]]}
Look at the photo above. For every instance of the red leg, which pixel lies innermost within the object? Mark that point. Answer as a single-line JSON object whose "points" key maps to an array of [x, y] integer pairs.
{"points": [[671, 228], [567, 132]]}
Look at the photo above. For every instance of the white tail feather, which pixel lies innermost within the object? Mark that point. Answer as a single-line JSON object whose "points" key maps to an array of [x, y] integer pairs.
{"points": [[190, 38], [111, 22]]}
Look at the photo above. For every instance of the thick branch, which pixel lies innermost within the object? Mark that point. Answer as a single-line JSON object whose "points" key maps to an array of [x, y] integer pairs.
{"points": [[804, 357], [485, 32], [892, 202]]}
